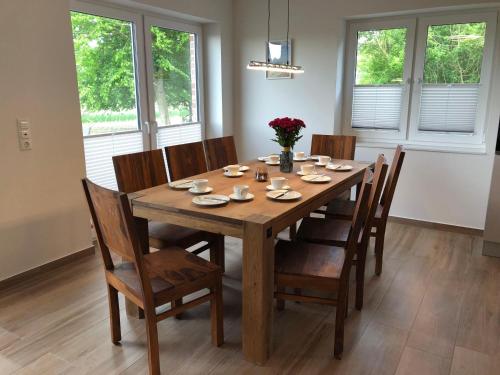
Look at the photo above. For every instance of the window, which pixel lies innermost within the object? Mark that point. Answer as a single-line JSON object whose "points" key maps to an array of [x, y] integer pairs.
{"points": [[139, 84], [419, 79]]}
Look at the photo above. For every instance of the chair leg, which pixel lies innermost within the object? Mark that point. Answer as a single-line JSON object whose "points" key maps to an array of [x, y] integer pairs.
{"points": [[153, 346], [360, 276], [379, 249], [280, 303], [216, 314], [217, 255], [114, 315], [339, 324], [347, 300], [293, 232], [177, 303]]}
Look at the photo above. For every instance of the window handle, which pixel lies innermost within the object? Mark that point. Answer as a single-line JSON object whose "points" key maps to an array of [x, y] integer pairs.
{"points": [[420, 80]]}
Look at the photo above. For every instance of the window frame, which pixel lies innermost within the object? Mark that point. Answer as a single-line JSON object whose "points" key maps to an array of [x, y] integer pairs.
{"points": [[477, 137], [408, 133], [350, 76]]}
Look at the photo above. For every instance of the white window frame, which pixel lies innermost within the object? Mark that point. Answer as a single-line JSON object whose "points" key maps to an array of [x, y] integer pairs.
{"points": [[350, 77], [477, 137], [408, 133]]}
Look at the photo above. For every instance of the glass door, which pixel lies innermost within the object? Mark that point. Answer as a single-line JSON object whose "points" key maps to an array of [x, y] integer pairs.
{"points": [[172, 61]]}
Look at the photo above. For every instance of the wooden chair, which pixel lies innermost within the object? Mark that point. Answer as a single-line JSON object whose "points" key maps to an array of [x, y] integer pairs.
{"points": [[335, 146], [143, 170], [149, 280], [344, 209], [220, 152], [302, 265], [185, 160], [335, 232]]}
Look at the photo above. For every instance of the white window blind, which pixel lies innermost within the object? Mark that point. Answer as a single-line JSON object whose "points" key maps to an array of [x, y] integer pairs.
{"points": [[99, 151], [178, 134], [377, 107], [449, 108]]}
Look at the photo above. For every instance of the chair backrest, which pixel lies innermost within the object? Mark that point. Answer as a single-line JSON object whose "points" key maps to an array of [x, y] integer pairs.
{"points": [[220, 152], [140, 170], [185, 160], [378, 179], [113, 222], [358, 221], [335, 146], [392, 180]]}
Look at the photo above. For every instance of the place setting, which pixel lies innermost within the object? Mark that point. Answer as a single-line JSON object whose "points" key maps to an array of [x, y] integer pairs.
{"points": [[278, 183], [308, 173], [283, 195], [181, 184], [273, 160], [211, 200], [241, 193], [200, 186], [299, 156], [235, 170], [339, 167]]}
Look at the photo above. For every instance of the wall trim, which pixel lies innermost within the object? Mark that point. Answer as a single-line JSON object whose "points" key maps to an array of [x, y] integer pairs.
{"points": [[438, 226], [16, 279]]}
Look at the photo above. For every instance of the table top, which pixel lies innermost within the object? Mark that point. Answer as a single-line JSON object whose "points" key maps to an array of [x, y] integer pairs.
{"points": [[261, 208]]}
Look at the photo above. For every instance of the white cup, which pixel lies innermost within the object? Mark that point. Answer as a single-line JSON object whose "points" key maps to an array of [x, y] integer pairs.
{"points": [[307, 169], [200, 185], [232, 169], [241, 191], [274, 159], [324, 159], [299, 155], [278, 182]]}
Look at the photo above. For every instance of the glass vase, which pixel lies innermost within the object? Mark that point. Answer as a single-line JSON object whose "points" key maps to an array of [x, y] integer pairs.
{"points": [[286, 160]]}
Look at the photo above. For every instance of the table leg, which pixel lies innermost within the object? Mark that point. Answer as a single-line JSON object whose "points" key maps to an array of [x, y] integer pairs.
{"points": [[258, 288], [142, 229]]}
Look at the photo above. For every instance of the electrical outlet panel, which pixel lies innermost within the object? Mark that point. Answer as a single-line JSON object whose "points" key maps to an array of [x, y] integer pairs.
{"points": [[24, 135]]}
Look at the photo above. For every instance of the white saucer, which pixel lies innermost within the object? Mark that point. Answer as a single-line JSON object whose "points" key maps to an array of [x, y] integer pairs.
{"points": [[339, 167], [299, 160], [181, 184], [210, 200], [234, 197], [313, 157], [289, 195], [207, 190], [316, 178], [262, 158], [269, 163], [239, 174], [270, 187], [302, 174], [318, 164], [244, 168]]}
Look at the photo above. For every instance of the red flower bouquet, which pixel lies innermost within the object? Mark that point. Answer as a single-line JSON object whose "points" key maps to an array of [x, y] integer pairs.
{"points": [[287, 131]]}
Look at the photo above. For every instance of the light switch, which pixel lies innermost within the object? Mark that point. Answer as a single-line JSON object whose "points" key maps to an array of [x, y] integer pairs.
{"points": [[24, 135]]}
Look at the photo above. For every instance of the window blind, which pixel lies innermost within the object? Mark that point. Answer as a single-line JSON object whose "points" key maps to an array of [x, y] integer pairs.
{"points": [[99, 151], [178, 134], [377, 107], [448, 108]]}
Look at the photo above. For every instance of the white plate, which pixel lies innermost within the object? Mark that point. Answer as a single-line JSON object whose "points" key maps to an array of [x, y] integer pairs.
{"points": [[181, 184], [303, 159], [269, 163], [316, 179], [248, 197], [207, 190], [270, 187], [339, 167], [288, 195], [313, 157], [244, 168], [239, 174], [302, 174], [262, 158], [210, 200], [318, 164]]}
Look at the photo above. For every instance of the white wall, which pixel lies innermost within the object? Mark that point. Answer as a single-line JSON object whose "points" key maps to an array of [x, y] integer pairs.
{"points": [[43, 214], [439, 187]]}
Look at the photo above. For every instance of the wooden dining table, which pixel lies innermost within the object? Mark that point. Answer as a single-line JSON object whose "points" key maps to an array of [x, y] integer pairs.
{"points": [[257, 222]]}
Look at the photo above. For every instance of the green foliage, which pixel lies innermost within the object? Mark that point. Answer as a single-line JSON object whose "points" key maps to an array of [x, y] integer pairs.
{"points": [[453, 54]]}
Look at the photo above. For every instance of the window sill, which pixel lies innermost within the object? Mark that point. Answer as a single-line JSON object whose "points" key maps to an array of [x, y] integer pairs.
{"points": [[479, 149]]}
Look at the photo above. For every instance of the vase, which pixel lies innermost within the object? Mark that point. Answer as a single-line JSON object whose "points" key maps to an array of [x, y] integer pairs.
{"points": [[286, 160]]}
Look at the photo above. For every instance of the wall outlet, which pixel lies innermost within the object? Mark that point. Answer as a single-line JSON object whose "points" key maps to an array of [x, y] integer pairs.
{"points": [[24, 135]]}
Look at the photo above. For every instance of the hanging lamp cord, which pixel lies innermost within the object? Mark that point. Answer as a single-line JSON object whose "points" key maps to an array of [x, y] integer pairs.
{"points": [[268, 29], [287, 35]]}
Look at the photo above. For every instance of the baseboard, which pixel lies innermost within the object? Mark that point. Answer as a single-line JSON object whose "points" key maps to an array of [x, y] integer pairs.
{"points": [[16, 279], [438, 226]]}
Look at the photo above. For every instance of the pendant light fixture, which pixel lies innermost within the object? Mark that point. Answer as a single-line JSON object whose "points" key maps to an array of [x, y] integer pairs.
{"points": [[268, 65]]}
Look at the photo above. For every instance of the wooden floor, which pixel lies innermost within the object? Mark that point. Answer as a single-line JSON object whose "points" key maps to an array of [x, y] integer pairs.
{"points": [[434, 310]]}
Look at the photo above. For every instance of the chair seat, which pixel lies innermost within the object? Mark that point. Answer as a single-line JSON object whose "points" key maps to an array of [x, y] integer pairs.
{"points": [[308, 260], [327, 231], [163, 235], [345, 209], [173, 273]]}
